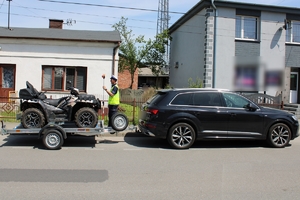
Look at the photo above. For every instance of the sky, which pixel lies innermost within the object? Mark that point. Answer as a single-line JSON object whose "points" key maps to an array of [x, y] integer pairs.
{"points": [[36, 13]]}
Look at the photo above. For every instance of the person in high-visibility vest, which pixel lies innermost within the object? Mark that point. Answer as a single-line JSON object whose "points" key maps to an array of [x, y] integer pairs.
{"points": [[114, 98]]}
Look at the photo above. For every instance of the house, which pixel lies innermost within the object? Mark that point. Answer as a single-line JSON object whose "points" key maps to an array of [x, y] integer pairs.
{"points": [[238, 46], [49, 57], [148, 79], [142, 77]]}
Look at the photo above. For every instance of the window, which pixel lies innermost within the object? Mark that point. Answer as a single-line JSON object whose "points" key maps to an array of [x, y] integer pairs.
{"points": [[56, 77], [182, 99], [207, 99], [246, 27], [293, 31], [235, 101]]}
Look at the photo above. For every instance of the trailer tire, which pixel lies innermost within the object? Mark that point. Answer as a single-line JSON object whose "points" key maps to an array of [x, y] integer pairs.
{"points": [[119, 121], [53, 139]]}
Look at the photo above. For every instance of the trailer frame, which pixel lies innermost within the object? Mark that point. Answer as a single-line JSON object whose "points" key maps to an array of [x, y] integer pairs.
{"points": [[53, 134]]}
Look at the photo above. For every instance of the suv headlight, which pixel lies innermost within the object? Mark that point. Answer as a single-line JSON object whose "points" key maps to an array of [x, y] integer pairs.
{"points": [[294, 118]]}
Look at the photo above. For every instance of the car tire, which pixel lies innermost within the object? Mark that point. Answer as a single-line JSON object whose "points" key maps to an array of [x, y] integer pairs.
{"points": [[119, 121], [86, 118], [279, 135], [181, 136], [33, 118], [53, 139]]}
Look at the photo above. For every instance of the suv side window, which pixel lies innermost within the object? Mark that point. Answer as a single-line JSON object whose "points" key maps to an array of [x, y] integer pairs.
{"points": [[207, 99], [235, 101], [182, 99]]}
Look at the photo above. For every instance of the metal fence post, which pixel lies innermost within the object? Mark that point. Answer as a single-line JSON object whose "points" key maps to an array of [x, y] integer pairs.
{"points": [[134, 104]]}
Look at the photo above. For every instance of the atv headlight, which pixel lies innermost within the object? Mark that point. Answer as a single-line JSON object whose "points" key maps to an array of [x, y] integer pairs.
{"points": [[294, 118]]}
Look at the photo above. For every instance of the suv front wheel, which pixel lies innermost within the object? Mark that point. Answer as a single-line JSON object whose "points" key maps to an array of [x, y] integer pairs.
{"points": [[181, 136]]}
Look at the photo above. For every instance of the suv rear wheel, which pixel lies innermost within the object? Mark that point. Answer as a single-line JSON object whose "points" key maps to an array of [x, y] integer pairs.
{"points": [[181, 136]]}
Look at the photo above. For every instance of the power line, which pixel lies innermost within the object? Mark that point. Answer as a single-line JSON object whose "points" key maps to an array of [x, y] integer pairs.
{"points": [[78, 13], [107, 6]]}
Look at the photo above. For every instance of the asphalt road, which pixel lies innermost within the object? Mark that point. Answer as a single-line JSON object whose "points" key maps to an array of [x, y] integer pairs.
{"points": [[133, 167]]}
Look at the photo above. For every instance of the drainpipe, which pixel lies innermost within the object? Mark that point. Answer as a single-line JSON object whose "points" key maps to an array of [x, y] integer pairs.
{"points": [[215, 43], [114, 58]]}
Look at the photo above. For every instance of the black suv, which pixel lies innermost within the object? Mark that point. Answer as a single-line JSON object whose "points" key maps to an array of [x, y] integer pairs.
{"points": [[183, 115]]}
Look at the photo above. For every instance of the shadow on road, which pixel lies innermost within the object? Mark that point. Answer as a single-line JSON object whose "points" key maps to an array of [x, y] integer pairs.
{"points": [[35, 143], [151, 142]]}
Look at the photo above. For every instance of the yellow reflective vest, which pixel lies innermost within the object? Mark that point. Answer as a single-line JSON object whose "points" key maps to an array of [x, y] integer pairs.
{"points": [[114, 100]]}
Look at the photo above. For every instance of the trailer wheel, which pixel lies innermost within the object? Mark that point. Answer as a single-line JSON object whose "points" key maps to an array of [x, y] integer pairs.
{"points": [[119, 122], [53, 139]]}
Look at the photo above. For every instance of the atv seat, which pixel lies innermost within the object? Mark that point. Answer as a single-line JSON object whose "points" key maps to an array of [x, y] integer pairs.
{"points": [[86, 97], [53, 102]]}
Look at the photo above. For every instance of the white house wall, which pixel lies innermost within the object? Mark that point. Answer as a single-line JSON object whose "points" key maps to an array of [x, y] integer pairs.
{"points": [[272, 46], [188, 50], [30, 57], [225, 48]]}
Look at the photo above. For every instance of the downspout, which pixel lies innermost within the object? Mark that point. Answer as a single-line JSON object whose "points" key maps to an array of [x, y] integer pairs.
{"points": [[114, 58], [215, 44]]}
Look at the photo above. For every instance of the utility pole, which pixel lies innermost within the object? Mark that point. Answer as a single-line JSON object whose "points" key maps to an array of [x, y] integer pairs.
{"points": [[163, 24], [8, 13]]}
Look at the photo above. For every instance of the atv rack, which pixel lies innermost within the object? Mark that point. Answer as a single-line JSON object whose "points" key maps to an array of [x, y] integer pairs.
{"points": [[53, 135]]}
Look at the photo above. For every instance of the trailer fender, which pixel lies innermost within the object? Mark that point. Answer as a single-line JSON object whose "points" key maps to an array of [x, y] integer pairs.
{"points": [[52, 126]]}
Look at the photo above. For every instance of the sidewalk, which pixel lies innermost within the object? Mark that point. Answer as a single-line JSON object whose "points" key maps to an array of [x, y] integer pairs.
{"points": [[130, 129]]}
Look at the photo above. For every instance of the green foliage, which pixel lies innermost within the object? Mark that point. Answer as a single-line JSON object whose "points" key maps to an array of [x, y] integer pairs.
{"points": [[168, 86], [148, 93], [197, 84], [137, 52]]}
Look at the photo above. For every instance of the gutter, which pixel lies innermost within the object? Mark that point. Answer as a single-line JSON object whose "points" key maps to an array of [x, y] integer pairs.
{"points": [[114, 58], [215, 44]]}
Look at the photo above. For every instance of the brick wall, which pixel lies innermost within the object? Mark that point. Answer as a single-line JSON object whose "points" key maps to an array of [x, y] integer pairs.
{"points": [[124, 79]]}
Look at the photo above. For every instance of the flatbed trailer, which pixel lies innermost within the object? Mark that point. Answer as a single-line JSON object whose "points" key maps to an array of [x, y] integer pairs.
{"points": [[53, 135]]}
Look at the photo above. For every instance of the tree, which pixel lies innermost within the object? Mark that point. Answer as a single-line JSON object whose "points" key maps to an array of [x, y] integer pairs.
{"points": [[197, 84], [137, 52]]}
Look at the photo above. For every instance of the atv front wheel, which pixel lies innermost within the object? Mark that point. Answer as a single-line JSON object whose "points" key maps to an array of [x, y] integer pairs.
{"points": [[33, 118], [86, 118]]}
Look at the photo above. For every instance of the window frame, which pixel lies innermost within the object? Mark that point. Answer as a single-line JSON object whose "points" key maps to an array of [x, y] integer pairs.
{"points": [[290, 31], [242, 27], [64, 77]]}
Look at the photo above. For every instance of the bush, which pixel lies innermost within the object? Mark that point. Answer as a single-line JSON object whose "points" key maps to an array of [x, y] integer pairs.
{"points": [[148, 93]]}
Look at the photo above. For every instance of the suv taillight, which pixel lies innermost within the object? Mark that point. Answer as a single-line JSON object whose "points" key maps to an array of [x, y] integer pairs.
{"points": [[152, 111]]}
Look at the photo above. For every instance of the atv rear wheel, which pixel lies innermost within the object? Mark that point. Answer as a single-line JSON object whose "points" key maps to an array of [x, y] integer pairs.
{"points": [[86, 118], [33, 118]]}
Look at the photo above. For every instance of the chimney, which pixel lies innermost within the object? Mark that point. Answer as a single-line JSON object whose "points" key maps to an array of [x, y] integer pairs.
{"points": [[56, 23]]}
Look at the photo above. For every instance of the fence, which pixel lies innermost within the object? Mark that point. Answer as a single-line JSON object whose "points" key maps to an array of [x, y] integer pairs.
{"points": [[10, 107], [265, 100], [130, 106]]}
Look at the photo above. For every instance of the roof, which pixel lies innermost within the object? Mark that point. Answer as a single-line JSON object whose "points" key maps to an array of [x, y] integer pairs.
{"points": [[147, 72], [229, 4], [60, 34]]}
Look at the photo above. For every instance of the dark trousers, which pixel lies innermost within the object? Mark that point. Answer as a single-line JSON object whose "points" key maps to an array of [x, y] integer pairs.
{"points": [[112, 109]]}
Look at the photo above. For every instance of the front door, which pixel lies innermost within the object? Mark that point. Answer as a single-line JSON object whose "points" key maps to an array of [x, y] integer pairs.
{"points": [[7, 80], [294, 87]]}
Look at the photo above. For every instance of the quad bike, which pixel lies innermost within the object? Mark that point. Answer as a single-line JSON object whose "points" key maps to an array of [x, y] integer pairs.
{"points": [[38, 110]]}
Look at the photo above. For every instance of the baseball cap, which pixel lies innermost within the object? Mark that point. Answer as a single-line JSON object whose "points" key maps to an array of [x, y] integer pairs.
{"points": [[113, 77]]}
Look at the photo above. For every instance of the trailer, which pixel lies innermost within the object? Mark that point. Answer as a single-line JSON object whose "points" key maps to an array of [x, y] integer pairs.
{"points": [[53, 135]]}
